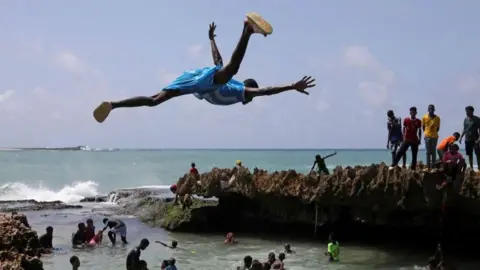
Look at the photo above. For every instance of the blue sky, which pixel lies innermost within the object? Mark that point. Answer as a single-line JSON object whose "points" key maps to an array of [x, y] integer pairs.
{"points": [[59, 59]]}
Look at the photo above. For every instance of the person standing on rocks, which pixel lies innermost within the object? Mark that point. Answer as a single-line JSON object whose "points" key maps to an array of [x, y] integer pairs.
{"points": [[395, 136], [133, 257], [471, 132], [47, 238], [116, 226], [412, 133], [193, 170], [431, 126], [321, 165]]}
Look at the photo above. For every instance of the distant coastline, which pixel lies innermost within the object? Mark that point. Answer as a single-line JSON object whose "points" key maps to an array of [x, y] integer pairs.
{"points": [[86, 148]]}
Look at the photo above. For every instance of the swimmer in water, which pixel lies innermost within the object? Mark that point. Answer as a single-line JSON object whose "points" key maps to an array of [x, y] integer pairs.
{"points": [[230, 239], [320, 162], [75, 262], [78, 238], [133, 258], [173, 246], [288, 249], [116, 226], [214, 84], [333, 249], [47, 239]]}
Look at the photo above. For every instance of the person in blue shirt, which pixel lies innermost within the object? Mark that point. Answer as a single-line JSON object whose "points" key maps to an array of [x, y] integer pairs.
{"points": [[213, 84]]}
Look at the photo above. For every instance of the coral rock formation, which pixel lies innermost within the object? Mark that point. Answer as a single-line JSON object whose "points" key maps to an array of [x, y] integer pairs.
{"points": [[19, 245]]}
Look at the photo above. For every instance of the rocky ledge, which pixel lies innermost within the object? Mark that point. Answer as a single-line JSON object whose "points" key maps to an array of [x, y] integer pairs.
{"points": [[358, 202], [19, 245], [33, 205]]}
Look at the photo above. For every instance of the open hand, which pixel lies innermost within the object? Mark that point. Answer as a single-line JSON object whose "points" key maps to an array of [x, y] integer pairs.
{"points": [[303, 84], [211, 31]]}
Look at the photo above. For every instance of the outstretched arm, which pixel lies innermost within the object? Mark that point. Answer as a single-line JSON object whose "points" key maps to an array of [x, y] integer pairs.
{"points": [[217, 58], [331, 155], [300, 86]]}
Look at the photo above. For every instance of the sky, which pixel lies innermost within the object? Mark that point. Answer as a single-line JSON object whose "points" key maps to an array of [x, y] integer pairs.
{"points": [[60, 59]]}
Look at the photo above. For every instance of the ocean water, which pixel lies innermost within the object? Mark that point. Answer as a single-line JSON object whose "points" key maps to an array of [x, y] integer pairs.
{"points": [[71, 175]]}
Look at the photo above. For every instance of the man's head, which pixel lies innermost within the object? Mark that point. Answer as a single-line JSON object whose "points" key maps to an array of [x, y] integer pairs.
{"points": [[105, 221], [144, 244], [413, 111], [332, 238], [173, 188], [318, 157], [238, 163], [281, 256], [271, 257], [257, 265], [164, 264], [287, 248], [247, 261], [49, 230], [74, 261], [454, 148], [431, 109], [81, 226], [174, 244], [250, 83], [192, 165], [89, 223], [390, 114], [456, 135], [469, 111]]}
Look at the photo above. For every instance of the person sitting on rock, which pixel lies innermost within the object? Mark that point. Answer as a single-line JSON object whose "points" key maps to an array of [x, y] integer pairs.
{"points": [[173, 246], [116, 226], [247, 263], [78, 238], [133, 258], [75, 262], [320, 162], [89, 230], [230, 239], [46, 239], [333, 249], [193, 170], [288, 249], [453, 163]]}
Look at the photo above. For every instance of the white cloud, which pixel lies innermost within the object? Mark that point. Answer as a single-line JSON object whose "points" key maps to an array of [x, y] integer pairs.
{"points": [[6, 95], [376, 80], [195, 51], [74, 64], [468, 84]]}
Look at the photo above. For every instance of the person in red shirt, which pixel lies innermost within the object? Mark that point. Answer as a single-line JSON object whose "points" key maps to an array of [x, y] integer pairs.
{"points": [[412, 132], [193, 169]]}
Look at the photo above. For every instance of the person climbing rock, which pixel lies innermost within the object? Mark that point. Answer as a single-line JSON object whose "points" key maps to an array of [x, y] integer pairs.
{"points": [[444, 145], [320, 162], [333, 249], [47, 238], [75, 262], [173, 245], [133, 258], [453, 163]]}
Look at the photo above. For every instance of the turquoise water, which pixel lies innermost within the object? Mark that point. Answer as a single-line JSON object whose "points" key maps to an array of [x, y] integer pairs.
{"points": [[69, 176]]}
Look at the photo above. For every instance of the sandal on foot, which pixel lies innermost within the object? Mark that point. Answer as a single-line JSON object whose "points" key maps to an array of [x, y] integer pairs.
{"points": [[102, 111], [259, 24]]}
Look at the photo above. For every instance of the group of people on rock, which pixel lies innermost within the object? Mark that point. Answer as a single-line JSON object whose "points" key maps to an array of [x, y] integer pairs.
{"points": [[407, 134]]}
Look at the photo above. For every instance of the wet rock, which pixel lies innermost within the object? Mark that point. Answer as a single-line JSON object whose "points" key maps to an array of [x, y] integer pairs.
{"points": [[32, 205], [98, 198], [19, 245]]}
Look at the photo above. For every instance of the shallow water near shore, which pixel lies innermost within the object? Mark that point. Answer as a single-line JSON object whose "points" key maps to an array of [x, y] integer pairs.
{"points": [[196, 251]]}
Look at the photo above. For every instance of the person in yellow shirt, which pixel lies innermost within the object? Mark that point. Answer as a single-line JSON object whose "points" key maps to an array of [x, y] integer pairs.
{"points": [[431, 126]]}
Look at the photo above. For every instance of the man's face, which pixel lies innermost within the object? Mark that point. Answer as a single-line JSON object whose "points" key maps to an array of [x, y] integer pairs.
{"points": [[431, 109], [469, 112], [413, 113]]}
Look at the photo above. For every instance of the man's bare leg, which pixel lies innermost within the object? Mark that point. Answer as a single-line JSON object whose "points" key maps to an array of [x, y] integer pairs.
{"points": [[101, 112], [254, 24]]}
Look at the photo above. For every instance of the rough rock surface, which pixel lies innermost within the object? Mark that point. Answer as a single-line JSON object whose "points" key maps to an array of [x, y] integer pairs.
{"points": [[33, 205], [98, 198], [19, 245]]}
